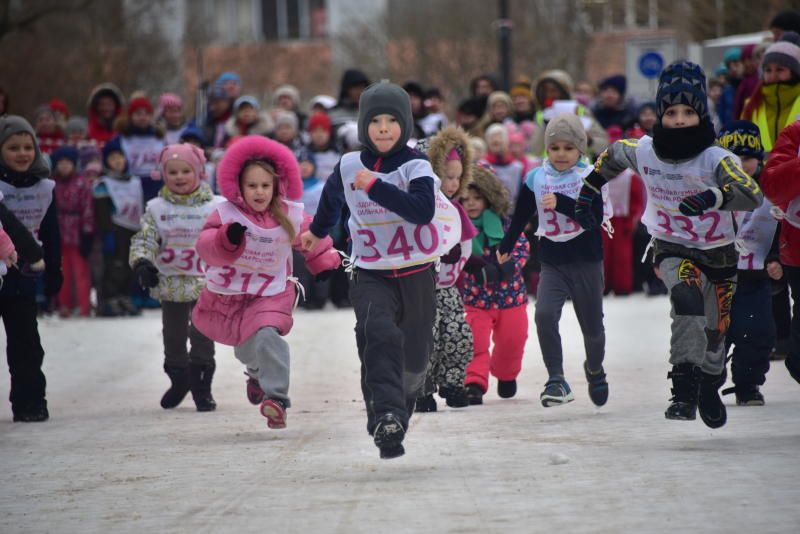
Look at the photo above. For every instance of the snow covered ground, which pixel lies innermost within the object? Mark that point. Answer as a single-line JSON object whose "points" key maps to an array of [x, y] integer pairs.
{"points": [[110, 459]]}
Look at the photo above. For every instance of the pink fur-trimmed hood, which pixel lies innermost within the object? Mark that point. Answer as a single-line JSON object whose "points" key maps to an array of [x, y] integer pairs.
{"points": [[254, 147]]}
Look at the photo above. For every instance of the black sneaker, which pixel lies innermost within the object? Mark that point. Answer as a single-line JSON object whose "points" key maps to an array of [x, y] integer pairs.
{"points": [[709, 404], [388, 436], [457, 398], [685, 390], [506, 388], [556, 392], [598, 387], [746, 395], [474, 394], [425, 404]]}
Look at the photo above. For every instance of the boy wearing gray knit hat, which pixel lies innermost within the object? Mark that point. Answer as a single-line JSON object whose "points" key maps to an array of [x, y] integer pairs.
{"points": [[571, 258]]}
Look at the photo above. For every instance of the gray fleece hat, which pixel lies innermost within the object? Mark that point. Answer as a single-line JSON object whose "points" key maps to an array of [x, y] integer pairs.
{"points": [[566, 127], [14, 124], [384, 97]]}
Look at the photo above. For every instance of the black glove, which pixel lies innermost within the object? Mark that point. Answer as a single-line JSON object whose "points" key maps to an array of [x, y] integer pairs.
{"points": [[235, 233], [695, 205], [453, 256], [489, 274], [474, 265], [85, 245], [53, 279], [146, 273], [324, 276], [583, 208], [507, 270]]}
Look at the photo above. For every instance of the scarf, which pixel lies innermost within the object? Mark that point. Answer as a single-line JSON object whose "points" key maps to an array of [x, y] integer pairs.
{"points": [[490, 230], [683, 143]]}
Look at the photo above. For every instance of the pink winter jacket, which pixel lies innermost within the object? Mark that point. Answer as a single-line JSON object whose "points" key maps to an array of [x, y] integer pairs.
{"points": [[232, 319], [6, 246]]}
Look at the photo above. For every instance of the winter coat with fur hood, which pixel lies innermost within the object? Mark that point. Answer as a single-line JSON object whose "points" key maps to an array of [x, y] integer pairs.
{"points": [[232, 319]]}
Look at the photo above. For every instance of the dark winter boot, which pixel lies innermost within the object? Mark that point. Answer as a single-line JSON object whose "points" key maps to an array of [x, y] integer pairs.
{"points": [[179, 388], [389, 434], [746, 395], [598, 387], [426, 404], [712, 410], [474, 394], [506, 388], [793, 365], [200, 384], [685, 389], [32, 414], [455, 397]]}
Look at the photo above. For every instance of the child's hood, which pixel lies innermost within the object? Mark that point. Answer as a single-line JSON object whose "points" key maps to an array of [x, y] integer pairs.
{"points": [[256, 147], [490, 188], [447, 140], [379, 98], [12, 125]]}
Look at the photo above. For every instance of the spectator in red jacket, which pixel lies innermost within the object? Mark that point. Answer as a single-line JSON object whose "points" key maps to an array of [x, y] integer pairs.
{"points": [[781, 184], [105, 105]]}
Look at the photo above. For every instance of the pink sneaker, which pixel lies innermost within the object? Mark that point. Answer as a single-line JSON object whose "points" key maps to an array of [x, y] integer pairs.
{"points": [[254, 392], [275, 413]]}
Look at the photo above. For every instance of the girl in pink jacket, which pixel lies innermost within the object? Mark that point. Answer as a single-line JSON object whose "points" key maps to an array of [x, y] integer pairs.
{"points": [[247, 245]]}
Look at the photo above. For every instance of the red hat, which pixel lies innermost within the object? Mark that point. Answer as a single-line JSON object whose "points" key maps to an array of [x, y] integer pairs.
{"points": [[60, 106], [139, 103], [319, 120]]}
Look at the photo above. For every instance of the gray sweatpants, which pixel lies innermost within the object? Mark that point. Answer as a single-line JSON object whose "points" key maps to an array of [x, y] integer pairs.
{"points": [[266, 355], [583, 283], [700, 314]]}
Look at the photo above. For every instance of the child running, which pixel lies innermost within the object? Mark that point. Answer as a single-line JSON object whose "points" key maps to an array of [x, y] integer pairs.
{"points": [[692, 186], [247, 243], [495, 297], [752, 329], [28, 194], [391, 193], [450, 154], [164, 260], [571, 258]]}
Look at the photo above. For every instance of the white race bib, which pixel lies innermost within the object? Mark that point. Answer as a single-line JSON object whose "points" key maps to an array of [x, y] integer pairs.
{"points": [[142, 153], [179, 226], [755, 235], [668, 184], [384, 240], [29, 204], [127, 197], [449, 272], [266, 263]]}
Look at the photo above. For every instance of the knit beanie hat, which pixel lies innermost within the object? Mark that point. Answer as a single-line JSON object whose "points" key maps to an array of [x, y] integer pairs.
{"points": [[287, 90], [184, 152], [65, 152], [139, 103], [732, 54], [169, 100], [76, 125], [228, 77], [785, 52], [786, 20], [319, 120], [379, 98], [566, 127], [618, 82], [743, 138], [682, 82], [114, 145], [59, 106], [87, 154], [499, 96], [246, 99], [286, 117], [522, 87], [13, 125]]}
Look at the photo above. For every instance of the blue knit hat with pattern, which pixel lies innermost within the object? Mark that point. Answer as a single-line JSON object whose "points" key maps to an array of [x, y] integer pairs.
{"points": [[743, 138], [682, 82]]}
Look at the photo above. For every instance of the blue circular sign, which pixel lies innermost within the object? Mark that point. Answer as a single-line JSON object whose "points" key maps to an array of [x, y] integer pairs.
{"points": [[651, 64]]}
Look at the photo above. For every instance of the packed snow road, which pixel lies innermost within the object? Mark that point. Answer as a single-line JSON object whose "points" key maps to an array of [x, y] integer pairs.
{"points": [[110, 459]]}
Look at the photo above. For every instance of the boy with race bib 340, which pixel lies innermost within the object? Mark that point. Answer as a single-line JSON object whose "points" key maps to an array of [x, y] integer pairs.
{"points": [[692, 186], [397, 236]]}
